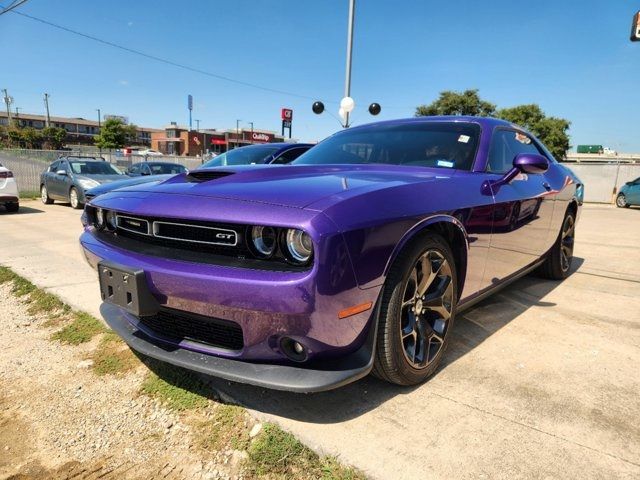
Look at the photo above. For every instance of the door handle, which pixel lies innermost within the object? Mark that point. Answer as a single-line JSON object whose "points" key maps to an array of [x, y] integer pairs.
{"points": [[546, 186]]}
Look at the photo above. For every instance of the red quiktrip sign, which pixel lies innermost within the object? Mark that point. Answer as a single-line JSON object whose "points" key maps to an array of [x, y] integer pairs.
{"points": [[286, 114]]}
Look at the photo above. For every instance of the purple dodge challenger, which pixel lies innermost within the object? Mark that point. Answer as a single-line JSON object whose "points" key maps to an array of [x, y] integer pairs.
{"points": [[353, 259]]}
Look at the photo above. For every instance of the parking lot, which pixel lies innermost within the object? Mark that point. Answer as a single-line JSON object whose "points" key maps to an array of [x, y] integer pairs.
{"points": [[541, 380]]}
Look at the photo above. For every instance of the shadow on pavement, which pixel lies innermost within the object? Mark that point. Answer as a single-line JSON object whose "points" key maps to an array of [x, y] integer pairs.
{"points": [[22, 211], [471, 328]]}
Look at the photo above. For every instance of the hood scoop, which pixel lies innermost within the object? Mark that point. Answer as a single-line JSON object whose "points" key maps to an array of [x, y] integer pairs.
{"points": [[199, 176]]}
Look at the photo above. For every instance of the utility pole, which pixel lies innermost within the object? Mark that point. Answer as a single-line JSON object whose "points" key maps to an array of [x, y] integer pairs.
{"points": [[46, 104], [251, 123], [18, 112], [237, 133], [99, 128], [197, 124], [347, 81], [8, 101]]}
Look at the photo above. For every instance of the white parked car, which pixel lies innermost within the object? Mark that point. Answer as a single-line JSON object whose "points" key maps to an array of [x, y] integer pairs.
{"points": [[149, 152], [8, 190]]}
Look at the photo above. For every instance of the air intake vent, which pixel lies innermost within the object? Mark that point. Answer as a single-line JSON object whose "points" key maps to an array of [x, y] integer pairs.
{"points": [[206, 175]]}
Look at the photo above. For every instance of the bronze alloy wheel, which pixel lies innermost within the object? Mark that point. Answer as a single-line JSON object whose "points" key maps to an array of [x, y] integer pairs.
{"points": [[426, 309], [566, 242], [417, 311]]}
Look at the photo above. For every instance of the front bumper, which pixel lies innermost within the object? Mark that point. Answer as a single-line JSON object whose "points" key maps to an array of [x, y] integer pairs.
{"points": [[314, 377]]}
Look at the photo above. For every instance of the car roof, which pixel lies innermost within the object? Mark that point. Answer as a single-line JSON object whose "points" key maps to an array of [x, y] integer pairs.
{"points": [[89, 158], [158, 163], [482, 121]]}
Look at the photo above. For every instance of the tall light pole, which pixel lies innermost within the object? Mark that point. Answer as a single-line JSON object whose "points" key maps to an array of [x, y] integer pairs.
{"points": [[237, 133], [348, 106], [251, 123], [99, 128], [8, 101], [46, 104]]}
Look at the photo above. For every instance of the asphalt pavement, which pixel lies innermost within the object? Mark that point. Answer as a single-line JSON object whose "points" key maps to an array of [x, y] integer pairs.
{"points": [[540, 381]]}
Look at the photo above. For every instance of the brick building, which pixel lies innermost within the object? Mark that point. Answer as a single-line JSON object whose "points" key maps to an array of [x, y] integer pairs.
{"points": [[179, 140]]}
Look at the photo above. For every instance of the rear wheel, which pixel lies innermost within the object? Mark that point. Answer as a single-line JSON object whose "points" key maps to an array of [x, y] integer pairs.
{"points": [[558, 262], [44, 195], [417, 312], [621, 201], [12, 207], [74, 199]]}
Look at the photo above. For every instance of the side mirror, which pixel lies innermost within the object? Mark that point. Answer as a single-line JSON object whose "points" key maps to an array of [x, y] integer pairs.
{"points": [[635, 28], [61, 172], [531, 163]]}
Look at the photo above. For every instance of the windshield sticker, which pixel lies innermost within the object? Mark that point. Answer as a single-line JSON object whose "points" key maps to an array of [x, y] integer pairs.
{"points": [[523, 138], [464, 138], [445, 163]]}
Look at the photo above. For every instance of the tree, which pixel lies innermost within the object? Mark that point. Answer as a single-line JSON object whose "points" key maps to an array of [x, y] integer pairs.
{"points": [[552, 131], [31, 137], [54, 137], [456, 103], [115, 134]]}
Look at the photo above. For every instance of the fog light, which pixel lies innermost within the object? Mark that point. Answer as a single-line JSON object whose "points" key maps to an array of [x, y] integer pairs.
{"points": [[293, 349]]}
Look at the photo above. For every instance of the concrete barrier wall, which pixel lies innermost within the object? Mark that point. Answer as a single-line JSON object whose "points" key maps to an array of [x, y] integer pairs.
{"points": [[600, 179]]}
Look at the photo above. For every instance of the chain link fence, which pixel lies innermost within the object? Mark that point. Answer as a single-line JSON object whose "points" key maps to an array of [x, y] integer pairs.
{"points": [[27, 165]]}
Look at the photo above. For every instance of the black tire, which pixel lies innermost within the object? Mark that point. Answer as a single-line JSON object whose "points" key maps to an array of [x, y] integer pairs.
{"points": [[74, 199], [12, 207], [44, 195], [621, 201], [391, 359], [556, 266]]}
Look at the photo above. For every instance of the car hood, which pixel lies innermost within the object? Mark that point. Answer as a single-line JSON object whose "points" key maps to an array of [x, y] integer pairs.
{"points": [[102, 178], [298, 186], [127, 182]]}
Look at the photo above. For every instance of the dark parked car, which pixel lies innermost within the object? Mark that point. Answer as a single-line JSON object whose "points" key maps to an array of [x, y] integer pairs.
{"points": [[355, 258], [275, 153], [155, 168], [69, 177], [127, 182], [629, 194]]}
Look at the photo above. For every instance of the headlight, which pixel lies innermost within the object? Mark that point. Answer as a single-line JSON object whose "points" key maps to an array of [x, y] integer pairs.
{"points": [[264, 240], [298, 246], [87, 183], [99, 218], [111, 219]]}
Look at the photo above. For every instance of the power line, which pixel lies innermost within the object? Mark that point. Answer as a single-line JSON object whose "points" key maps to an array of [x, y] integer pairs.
{"points": [[159, 59], [12, 5]]}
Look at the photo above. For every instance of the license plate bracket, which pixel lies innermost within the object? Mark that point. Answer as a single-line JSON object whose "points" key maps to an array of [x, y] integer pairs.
{"points": [[126, 288]]}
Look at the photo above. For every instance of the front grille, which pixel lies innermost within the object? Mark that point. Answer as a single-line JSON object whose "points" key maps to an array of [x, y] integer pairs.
{"points": [[195, 233], [176, 325]]}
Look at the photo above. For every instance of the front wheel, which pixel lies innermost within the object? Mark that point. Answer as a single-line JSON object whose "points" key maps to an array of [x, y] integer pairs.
{"points": [[621, 201], [44, 195], [558, 262], [73, 198], [416, 312]]}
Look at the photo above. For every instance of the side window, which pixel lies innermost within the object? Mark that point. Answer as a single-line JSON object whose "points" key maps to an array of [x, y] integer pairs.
{"points": [[54, 167], [290, 155], [135, 169], [64, 165], [505, 145], [146, 170]]}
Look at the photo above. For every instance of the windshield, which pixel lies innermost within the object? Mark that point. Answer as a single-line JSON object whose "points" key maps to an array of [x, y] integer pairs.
{"points": [[437, 144], [243, 156], [94, 168], [166, 168]]}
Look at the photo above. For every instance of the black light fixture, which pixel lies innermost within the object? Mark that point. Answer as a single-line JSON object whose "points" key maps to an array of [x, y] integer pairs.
{"points": [[317, 107]]}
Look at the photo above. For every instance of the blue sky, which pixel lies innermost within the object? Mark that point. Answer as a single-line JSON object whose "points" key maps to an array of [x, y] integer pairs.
{"points": [[572, 58]]}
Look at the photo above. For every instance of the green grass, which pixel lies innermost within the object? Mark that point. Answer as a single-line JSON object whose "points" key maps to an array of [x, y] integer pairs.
{"points": [[177, 389], [82, 329], [227, 428], [278, 454], [113, 357]]}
